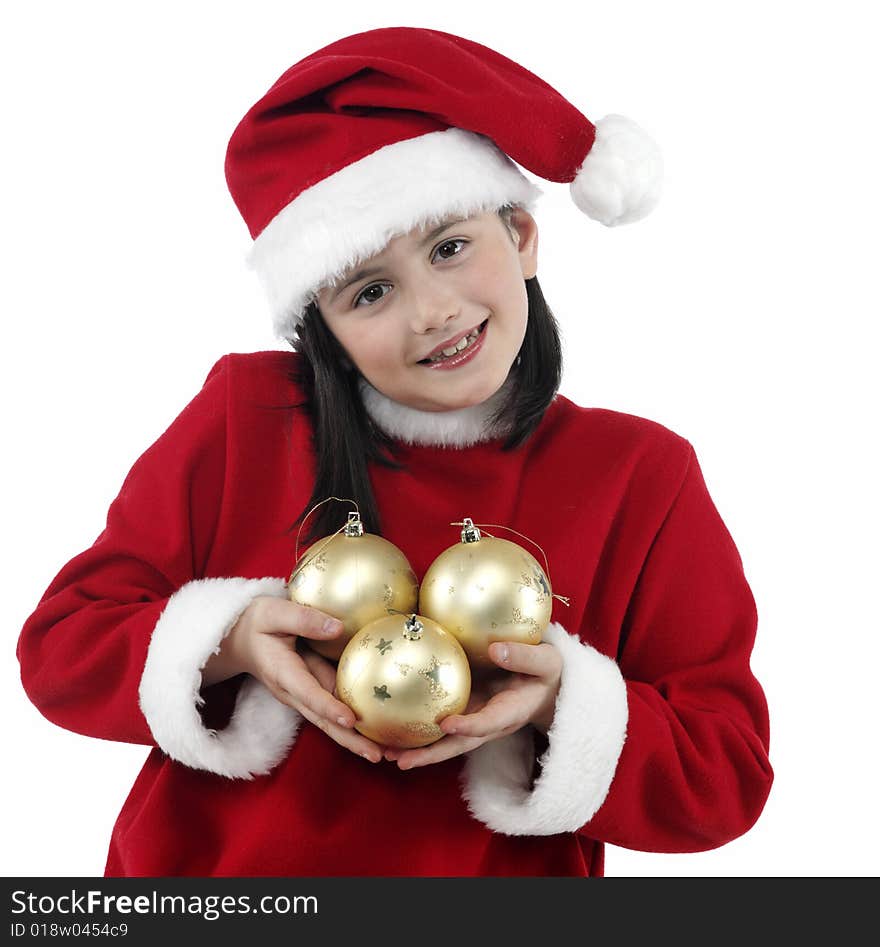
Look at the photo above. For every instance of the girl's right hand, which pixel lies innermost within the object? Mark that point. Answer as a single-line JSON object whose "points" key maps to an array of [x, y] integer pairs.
{"points": [[263, 642]]}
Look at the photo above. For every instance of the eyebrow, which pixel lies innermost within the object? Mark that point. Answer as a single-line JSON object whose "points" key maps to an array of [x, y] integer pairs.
{"points": [[361, 274], [443, 225], [372, 271]]}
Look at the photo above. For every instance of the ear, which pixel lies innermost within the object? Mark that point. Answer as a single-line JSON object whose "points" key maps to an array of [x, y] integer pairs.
{"points": [[527, 230]]}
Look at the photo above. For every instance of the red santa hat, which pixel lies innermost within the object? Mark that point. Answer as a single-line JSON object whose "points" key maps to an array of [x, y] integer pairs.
{"points": [[402, 127]]}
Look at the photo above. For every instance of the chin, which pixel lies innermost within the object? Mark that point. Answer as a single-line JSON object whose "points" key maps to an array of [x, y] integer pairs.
{"points": [[451, 397], [485, 391], [453, 404]]}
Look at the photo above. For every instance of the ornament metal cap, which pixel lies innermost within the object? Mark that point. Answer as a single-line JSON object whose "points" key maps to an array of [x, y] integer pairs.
{"points": [[413, 628], [354, 526], [470, 533]]}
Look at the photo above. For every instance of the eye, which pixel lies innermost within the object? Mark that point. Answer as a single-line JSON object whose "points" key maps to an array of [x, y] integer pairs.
{"points": [[368, 295], [450, 248]]}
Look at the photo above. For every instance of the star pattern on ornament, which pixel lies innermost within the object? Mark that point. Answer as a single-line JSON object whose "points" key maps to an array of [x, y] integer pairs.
{"points": [[534, 583], [432, 676], [542, 581], [366, 641], [421, 729], [383, 646], [521, 619], [387, 595], [381, 693]]}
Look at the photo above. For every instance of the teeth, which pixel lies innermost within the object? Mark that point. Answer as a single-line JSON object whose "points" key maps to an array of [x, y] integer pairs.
{"points": [[460, 346]]}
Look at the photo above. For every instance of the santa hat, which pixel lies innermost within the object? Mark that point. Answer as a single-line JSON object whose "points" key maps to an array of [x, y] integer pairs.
{"points": [[402, 127]]}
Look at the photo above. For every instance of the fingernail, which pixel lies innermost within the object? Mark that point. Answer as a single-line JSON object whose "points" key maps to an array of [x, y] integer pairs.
{"points": [[331, 626], [503, 653], [342, 721]]}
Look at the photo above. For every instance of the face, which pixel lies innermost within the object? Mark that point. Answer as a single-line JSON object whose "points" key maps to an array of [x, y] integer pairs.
{"points": [[457, 286]]}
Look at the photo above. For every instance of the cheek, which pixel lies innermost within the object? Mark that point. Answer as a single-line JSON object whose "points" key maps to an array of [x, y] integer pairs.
{"points": [[366, 344], [509, 302], [499, 285]]}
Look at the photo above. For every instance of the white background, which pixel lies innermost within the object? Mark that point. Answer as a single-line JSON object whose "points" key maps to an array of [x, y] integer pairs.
{"points": [[741, 314]]}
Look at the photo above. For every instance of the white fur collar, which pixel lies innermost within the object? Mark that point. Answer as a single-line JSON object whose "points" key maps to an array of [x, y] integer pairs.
{"points": [[459, 428]]}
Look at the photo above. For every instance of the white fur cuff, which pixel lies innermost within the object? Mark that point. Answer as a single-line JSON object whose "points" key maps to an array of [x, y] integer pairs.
{"points": [[586, 739], [195, 621]]}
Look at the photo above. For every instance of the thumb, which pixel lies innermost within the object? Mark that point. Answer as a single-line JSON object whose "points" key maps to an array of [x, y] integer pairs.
{"points": [[313, 623], [295, 619], [537, 660]]}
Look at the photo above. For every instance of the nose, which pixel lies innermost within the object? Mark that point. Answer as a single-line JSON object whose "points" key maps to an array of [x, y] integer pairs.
{"points": [[432, 305]]}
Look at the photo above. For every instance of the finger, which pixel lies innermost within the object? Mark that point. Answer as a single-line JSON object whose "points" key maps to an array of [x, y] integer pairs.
{"points": [[321, 668], [282, 615], [443, 749], [349, 739], [296, 681], [506, 712], [541, 660]]}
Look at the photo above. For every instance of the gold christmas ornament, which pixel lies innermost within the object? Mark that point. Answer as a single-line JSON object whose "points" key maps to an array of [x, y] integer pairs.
{"points": [[356, 577], [486, 589], [402, 675]]}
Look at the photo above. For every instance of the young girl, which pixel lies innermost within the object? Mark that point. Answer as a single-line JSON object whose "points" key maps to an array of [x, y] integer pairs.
{"points": [[394, 236]]}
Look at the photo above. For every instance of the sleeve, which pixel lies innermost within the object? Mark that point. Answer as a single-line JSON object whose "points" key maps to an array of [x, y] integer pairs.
{"points": [[116, 645], [664, 748]]}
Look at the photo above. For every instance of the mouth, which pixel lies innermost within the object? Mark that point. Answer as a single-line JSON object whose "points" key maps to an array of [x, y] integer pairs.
{"points": [[455, 353]]}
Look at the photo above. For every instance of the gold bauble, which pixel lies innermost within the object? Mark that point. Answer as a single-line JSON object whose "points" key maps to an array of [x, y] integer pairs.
{"points": [[402, 675], [356, 577], [485, 589]]}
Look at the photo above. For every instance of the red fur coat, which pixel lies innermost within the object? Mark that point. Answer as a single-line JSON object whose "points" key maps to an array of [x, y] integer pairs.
{"points": [[660, 735]]}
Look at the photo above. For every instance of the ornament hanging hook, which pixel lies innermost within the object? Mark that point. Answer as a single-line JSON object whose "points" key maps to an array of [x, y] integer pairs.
{"points": [[469, 525], [353, 523]]}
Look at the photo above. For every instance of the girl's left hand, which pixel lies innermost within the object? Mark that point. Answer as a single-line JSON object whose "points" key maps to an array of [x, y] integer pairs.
{"points": [[498, 705]]}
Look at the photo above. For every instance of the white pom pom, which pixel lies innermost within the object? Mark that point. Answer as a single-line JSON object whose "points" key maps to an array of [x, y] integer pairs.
{"points": [[620, 179]]}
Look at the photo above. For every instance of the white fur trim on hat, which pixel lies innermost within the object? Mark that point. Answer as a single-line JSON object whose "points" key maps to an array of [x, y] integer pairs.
{"points": [[585, 742], [461, 427], [351, 215], [195, 621], [620, 179]]}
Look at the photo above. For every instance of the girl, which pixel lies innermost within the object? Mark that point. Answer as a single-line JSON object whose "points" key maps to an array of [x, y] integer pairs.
{"points": [[394, 236]]}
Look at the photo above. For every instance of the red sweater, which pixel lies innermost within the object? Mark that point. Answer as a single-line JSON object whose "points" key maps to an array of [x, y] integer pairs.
{"points": [[660, 736]]}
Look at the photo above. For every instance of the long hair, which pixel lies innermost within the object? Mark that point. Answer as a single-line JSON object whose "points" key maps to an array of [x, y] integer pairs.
{"points": [[346, 439]]}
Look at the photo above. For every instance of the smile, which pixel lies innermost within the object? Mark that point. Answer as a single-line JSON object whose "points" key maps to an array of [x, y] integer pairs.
{"points": [[463, 351]]}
